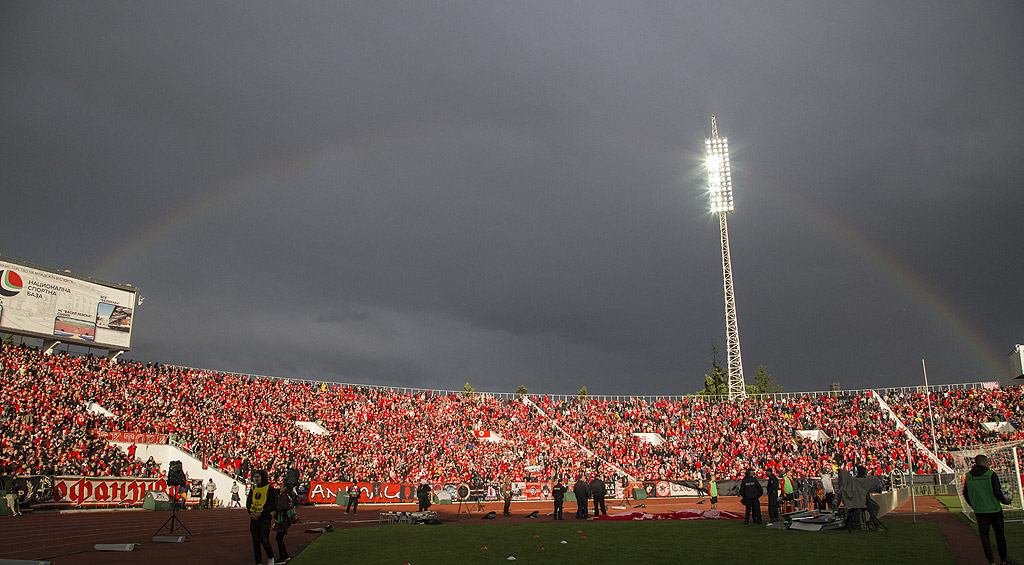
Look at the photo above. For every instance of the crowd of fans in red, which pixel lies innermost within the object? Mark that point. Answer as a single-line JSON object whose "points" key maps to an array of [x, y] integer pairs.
{"points": [[241, 423]]}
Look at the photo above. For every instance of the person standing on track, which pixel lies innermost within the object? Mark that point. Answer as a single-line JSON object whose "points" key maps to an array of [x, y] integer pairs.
{"points": [[828, 489], [353, 498], [787, 490], [558, 494], [750, 492], [423, 495], [9, 485], [506, 492], [211, 487], [582, 491], [261, 503], [713, 492], [235, 499], [598, 491], [773, 496], [983, 493], [283, 518]]}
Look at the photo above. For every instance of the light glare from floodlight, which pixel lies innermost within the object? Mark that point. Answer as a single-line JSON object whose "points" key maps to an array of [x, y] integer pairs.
{"points": [[719, 174]]}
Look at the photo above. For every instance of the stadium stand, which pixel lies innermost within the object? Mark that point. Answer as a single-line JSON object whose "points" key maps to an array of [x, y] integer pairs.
{"points": [[239, 423]]}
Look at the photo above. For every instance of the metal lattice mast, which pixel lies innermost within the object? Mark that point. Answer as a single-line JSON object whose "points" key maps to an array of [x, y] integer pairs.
{"points": [[720, 185]]}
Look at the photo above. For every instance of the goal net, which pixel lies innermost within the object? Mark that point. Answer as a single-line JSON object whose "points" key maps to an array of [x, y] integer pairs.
{"points": [[1005, 461]]}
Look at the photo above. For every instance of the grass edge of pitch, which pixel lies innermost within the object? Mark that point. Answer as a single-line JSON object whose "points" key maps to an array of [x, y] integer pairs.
{"points": [[726, 541]]}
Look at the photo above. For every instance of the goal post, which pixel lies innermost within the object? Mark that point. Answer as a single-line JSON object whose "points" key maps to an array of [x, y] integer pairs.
{"points": [[1004, 460]]}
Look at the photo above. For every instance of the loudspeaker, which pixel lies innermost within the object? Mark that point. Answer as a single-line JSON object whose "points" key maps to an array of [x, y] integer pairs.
{"points": [[532, 514], [156, 500], [490, 515], [175, 476]]}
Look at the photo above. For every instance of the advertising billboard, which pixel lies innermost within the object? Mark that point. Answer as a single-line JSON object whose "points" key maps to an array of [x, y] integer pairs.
{"points": [[49, 304]]}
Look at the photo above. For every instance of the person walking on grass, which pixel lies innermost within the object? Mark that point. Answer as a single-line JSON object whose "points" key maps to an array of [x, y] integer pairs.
{"points": [[983, 493]]}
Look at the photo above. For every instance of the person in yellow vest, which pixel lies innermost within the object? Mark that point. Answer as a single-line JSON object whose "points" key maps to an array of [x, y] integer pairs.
{"points": [[713, 493], [261, 502], [787, 491], [506, 491], [983, 493]]}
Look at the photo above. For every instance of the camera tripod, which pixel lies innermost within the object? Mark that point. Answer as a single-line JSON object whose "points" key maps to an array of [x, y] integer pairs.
{"points": [[469, 503], [173, 520]]}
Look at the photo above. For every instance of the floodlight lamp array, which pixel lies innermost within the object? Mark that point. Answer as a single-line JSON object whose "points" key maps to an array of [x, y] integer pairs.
{"points": [[719, 174]]}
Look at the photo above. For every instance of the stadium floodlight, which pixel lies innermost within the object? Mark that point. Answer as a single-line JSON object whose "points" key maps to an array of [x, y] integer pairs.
{"points": [[720, 188], [719, 174]]}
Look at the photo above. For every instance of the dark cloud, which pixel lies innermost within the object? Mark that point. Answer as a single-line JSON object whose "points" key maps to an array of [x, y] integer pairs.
{"points": [[505, 194]]}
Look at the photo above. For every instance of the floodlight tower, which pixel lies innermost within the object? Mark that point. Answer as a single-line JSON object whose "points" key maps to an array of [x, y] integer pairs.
{"points": [[720, 188]]}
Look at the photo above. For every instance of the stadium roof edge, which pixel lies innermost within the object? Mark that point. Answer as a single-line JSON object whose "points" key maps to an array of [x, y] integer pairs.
{"points": [[599, 397], [66, 273]]}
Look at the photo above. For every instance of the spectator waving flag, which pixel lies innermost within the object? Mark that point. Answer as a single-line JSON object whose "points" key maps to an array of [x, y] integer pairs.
{"points": [[486, 435]]}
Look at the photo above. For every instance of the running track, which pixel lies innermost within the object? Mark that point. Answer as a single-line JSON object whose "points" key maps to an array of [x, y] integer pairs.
{"points": [[221, 536]]}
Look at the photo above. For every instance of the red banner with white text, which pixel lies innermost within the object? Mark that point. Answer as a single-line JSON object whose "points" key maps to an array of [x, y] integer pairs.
{"points": [[323, 492], [75, 492]]}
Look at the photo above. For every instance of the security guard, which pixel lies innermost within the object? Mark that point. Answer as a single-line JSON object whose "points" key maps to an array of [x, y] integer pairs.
{"points": [[558, 494]]}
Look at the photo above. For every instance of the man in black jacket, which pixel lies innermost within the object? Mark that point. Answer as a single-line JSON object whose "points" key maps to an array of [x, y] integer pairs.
{"points": [[582, 491], [773, 496], [558, 494], [750, 494], [597, 490], [423, 495]]}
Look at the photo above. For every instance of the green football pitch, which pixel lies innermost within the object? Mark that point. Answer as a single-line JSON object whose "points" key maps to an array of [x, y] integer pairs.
{"points": [[697, 541]]}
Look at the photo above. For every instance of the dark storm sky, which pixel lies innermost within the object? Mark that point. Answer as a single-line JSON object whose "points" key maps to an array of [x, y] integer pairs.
{"points": [[424, 193]]}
